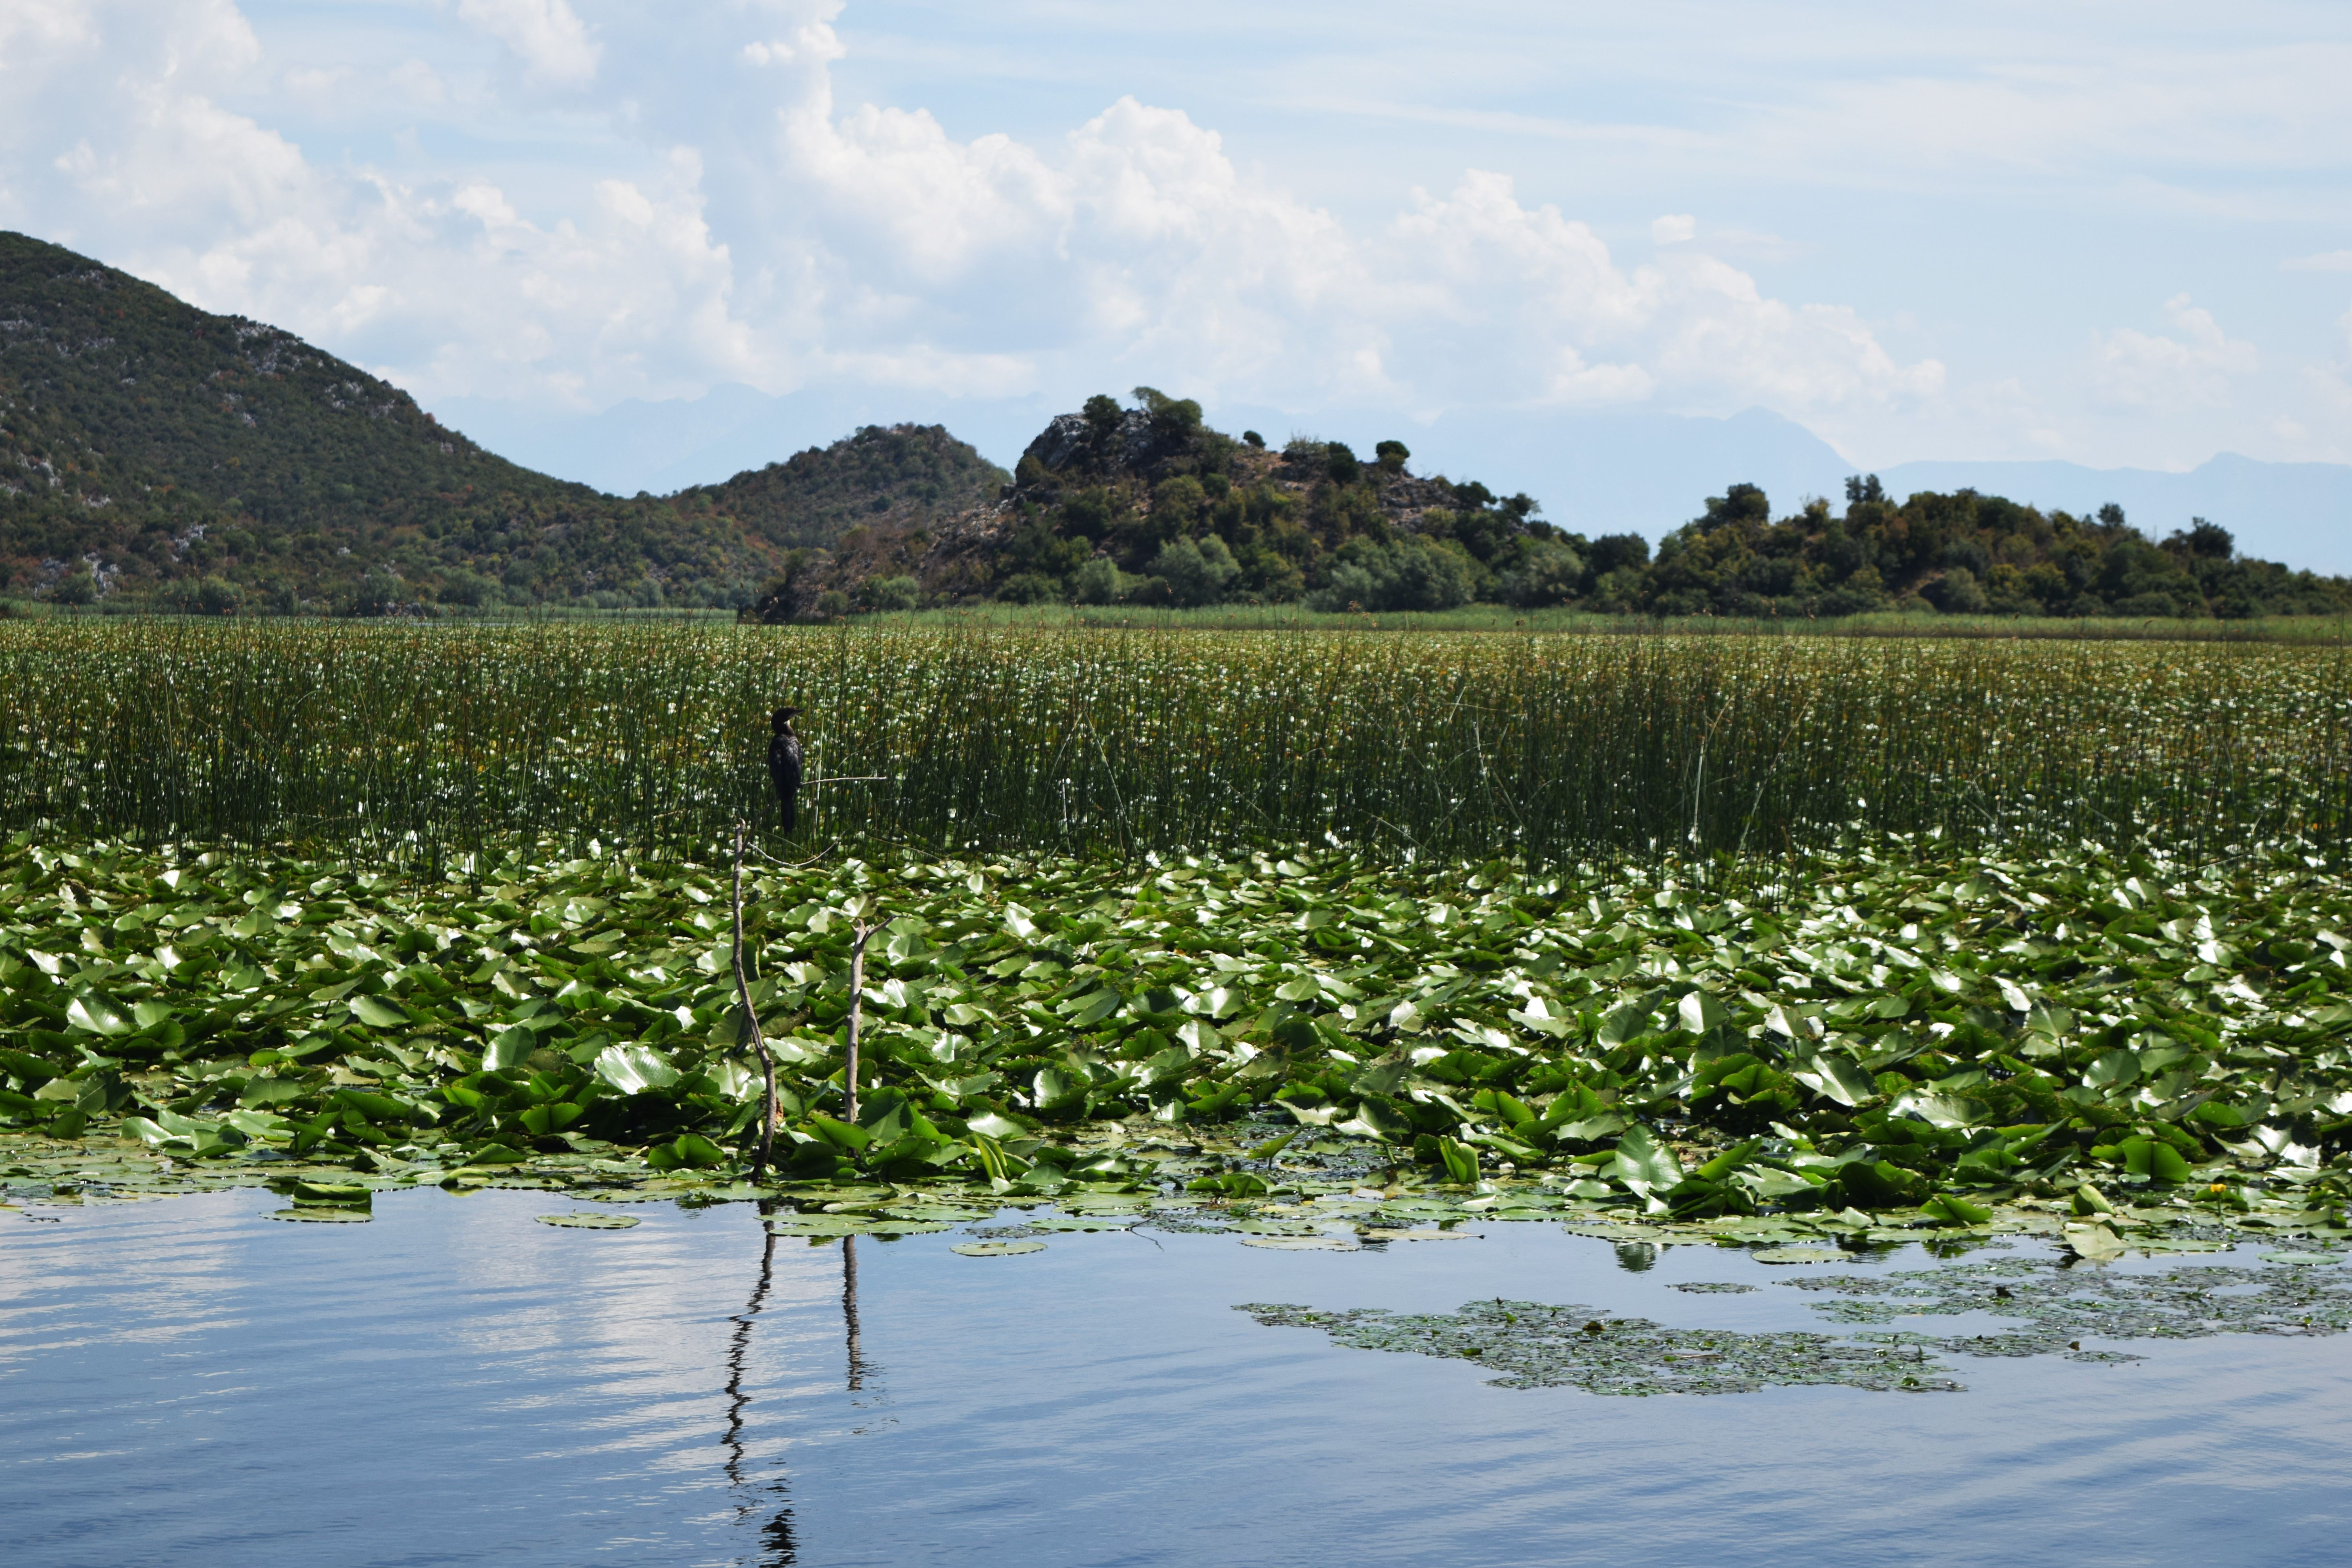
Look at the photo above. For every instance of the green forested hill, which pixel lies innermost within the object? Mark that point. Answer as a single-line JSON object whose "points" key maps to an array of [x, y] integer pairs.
{"points": [[1962, 554], [154, 451], [1147, 505]]}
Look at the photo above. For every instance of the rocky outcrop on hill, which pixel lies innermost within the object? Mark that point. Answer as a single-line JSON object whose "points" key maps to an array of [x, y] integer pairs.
{"points": [[1147, 505]]}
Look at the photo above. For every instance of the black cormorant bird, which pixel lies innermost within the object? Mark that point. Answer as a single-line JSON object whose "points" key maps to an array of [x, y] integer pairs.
{"points": [[784, 763]]}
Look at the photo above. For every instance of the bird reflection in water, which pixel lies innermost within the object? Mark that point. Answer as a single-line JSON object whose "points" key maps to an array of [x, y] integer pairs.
{"points": [[779, 1548]]}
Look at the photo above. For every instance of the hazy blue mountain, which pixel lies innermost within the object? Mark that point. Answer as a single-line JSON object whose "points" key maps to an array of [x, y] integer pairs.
{"points": [[1638, 473]]}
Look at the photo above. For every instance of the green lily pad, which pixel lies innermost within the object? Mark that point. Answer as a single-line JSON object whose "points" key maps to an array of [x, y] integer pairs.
{"points": [[996, 1249], [323, 1214], [332, 1192], [1302, 1243], [822, 1224], [2095, 1242], [580, 1221], [1801, 1255]]}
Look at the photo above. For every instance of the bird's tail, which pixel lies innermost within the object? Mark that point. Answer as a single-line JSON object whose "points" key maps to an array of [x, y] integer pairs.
{"points": [[790, 817]]}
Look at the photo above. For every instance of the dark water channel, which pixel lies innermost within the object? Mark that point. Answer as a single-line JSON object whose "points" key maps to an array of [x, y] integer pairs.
{"points": [[451, 1382]]}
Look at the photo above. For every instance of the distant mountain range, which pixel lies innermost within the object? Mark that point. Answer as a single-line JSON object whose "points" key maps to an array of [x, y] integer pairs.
{"points": [[1594, 473]]}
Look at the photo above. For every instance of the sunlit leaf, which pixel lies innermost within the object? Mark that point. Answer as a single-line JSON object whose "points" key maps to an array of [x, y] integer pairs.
{"points": [[633, 1069]]}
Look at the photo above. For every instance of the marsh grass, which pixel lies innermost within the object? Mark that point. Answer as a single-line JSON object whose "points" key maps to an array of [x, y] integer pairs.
{"points": [[419, 739], [2313, 630]]}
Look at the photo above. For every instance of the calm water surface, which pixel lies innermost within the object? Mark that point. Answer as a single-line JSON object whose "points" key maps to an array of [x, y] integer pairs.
{"points": [[452, 1382]]}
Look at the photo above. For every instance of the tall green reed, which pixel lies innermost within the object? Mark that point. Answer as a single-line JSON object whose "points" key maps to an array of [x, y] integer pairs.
{"points": [[427, 738]]}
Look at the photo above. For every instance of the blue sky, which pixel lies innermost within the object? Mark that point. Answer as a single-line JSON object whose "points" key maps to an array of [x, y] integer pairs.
{"points": [[2117, 234]]}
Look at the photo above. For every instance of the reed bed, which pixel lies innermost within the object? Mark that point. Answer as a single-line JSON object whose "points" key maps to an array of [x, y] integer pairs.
{"points": [[423, 740]]}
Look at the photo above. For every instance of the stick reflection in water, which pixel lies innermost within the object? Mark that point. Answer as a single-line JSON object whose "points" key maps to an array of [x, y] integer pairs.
{"points": [[781, 1550], [778, 1532], [856, 1356]]}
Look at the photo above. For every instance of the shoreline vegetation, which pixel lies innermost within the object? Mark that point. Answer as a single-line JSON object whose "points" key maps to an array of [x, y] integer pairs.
{"points": [[1755, 940], [1493, 620]]}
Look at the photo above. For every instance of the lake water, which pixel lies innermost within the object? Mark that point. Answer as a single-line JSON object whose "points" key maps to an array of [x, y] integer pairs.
{"points": [[451, 1382]]}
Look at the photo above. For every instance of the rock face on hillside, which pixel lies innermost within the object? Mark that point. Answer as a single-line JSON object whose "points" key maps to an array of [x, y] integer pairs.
{"points": [[896, 476]]}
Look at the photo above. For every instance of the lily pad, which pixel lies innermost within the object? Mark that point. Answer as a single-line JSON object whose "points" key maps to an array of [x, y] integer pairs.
{"points": [[577, 1220], [321, 1214], [996, 1249], [1616, 1233], [332, 1192], [1801, 1255], [2095, 1242], [822, 1224], [1302, 1242]]}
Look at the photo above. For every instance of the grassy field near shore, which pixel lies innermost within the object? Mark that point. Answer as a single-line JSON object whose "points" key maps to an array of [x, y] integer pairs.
{"points": [[2307, 630]]}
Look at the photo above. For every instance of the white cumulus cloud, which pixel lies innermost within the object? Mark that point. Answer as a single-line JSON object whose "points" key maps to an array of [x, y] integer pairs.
{"points": [[547, 36], [738, 223], [2195, 367]]}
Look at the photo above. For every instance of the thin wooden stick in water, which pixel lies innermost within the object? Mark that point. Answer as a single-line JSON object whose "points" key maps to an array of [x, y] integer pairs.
{"points": [[857, 1002], [751, 1026]]}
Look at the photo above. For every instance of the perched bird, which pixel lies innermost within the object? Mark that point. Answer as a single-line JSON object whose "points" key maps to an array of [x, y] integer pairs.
{"points": [[784, 763]]}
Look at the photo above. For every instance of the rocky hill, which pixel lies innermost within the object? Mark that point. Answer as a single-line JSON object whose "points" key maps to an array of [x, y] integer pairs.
{"points": [[898, 475], [1147, 505], [152, 452]]}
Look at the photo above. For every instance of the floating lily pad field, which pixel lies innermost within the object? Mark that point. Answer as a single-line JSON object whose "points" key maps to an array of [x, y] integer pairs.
{"points": [[1891, 1038], [2044, 1307]]}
